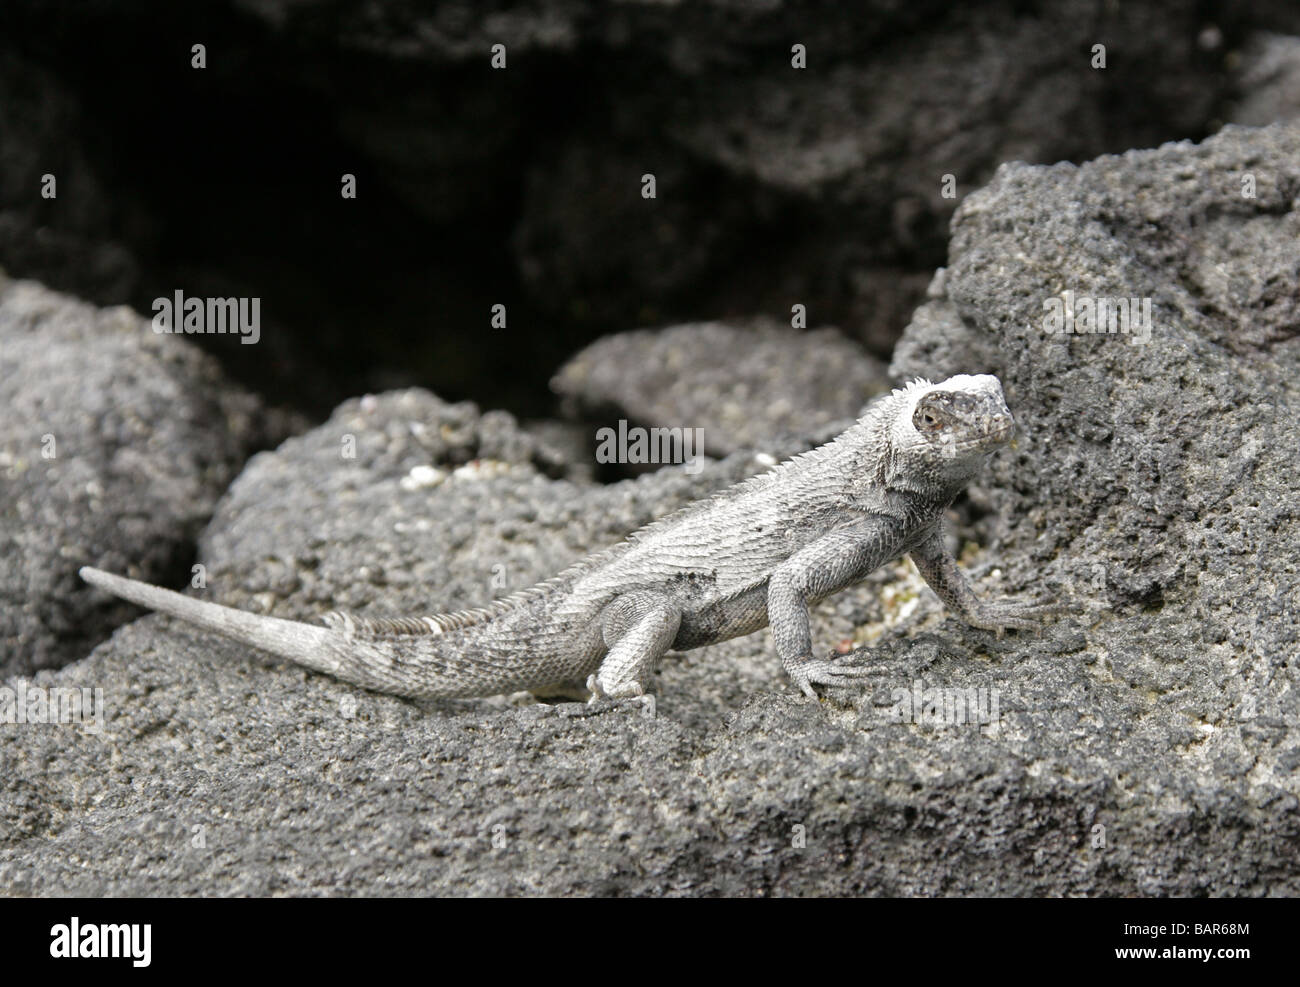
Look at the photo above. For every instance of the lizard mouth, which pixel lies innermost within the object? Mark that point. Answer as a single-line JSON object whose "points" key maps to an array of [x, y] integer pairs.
{"points": [[983, 443], [995, 436], [1001, 425]]}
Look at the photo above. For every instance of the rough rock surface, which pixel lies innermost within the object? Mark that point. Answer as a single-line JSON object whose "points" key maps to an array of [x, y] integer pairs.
{"points": [[115, 444], [744, 385], [1158, 480], [1149, 743]]}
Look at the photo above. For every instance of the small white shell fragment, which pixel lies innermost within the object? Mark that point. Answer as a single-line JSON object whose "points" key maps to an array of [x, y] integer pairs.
{"points": [[421, 477]]}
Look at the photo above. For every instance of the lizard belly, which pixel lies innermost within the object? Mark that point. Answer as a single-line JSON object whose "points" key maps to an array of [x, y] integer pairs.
{"points": [[721, 619]]}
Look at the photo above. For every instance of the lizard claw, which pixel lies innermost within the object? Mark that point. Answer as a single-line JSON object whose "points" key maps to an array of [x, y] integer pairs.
{"points": [[644, 704], [630, 689], [1012, 615], [630, 694], [810, 671]]}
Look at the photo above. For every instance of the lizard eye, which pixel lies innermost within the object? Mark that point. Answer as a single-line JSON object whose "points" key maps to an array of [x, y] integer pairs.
{"points": [[930, 420]]}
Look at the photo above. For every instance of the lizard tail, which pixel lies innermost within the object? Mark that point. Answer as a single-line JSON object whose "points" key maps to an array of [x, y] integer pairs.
{"points": [[314, 647]]}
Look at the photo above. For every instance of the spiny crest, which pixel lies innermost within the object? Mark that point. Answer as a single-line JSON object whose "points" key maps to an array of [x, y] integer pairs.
{"points": [[880, 416], [360, 627], [899, 397], [767, 478], [879, 423]]}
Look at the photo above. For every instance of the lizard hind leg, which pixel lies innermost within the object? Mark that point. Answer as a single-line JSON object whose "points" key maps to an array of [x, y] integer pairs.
{"points": [[638, 629]]}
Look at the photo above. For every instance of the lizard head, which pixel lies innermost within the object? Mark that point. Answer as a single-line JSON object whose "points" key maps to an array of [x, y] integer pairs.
{"points": [[954, 423]]}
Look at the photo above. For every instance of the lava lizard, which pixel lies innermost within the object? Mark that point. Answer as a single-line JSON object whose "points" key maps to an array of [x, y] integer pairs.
{"points": [[758, 553]]}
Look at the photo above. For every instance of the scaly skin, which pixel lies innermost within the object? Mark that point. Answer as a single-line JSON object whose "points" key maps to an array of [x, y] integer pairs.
{"points": [[756, 554]]}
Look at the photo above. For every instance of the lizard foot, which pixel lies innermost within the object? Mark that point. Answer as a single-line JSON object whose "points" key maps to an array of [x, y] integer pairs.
{"points": [[622, 695], [626, 689], [810, 671], [644, 704], [1011, 615]]}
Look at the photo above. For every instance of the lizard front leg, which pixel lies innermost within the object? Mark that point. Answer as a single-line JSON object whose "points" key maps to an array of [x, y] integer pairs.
{"points": [[940, 571], [838, 559], [638, 629]]}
